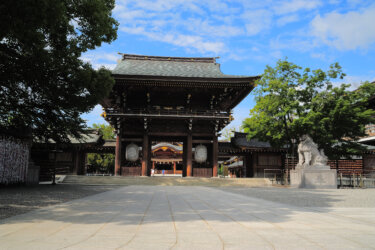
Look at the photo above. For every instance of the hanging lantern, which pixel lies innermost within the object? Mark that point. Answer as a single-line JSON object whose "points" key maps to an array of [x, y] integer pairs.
{"points": [[132, 152], [200, 154]]}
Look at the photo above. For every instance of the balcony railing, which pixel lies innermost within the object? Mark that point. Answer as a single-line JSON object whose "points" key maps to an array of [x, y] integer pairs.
{"points": [[170, 113]]}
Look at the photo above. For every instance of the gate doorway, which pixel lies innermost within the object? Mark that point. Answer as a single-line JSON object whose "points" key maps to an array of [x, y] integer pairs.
{"points": [[167, 159]]}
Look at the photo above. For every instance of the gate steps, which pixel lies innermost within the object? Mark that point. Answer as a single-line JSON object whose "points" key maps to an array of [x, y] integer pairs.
{"points": [[166, 181]]}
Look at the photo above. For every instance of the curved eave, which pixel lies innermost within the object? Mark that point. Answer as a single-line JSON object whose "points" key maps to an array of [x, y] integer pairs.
{"points": [[247, 80]]}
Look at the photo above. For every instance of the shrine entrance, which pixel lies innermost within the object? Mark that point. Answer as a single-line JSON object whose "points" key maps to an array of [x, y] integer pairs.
{"points": [[167, 158], [168, 169], [182, 101]]}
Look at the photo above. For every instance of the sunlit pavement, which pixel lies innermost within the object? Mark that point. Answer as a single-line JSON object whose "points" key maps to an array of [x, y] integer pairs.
{"points": [[157, 217]]}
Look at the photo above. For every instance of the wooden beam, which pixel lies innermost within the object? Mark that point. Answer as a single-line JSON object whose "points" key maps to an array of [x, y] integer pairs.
{"points": [[169, 116], [132, 139], [202, 141], [118, 155], [133, 133], [179, 134]]}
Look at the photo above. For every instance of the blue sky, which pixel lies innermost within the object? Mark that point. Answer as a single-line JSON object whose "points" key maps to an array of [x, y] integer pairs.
{"points": [[247, 35]]}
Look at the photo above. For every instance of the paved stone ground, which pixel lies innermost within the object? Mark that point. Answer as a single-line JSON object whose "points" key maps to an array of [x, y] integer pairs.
{"points": [[311, 197], [16, 200], [167, 217]]}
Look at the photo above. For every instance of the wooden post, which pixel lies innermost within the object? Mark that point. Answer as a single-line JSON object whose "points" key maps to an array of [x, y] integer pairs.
{"points": [[80, 162], [76, 161], [149, 154], [145, 148], [340, 180], [215, 151], [184, 158], [118, 155], [174, 167], [189, 160]]}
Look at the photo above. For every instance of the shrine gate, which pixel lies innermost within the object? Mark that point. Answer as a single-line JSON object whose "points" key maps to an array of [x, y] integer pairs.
{"points": [[171, 99]]}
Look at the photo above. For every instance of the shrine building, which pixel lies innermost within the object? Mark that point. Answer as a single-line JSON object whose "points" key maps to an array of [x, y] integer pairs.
{"points": [[181, 101]]}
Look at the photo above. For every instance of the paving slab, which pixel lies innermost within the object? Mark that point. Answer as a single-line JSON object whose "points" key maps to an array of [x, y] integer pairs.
{"points": [[183, 217]]}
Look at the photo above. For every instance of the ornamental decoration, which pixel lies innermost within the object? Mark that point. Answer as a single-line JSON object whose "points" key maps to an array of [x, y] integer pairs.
{"points": [[132, 152], [200, 154]]}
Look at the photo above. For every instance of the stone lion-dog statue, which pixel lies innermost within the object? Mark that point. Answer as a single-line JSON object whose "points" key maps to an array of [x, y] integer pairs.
{"points": [[309, 154]]}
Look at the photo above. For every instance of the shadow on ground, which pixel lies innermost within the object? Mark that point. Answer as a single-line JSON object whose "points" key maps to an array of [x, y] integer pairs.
{"points": [[128, 205]]}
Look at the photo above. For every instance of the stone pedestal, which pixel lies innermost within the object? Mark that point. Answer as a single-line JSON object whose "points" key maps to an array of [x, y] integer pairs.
{"points": [[296, 176], [313, 178]]}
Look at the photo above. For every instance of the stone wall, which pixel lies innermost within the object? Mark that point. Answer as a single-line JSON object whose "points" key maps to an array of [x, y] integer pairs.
{"points": [[14, 158]]}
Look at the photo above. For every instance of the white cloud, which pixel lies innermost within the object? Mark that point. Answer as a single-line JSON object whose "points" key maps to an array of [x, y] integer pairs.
{"points": [[326, 56], [181, 40], [109, 66], [208, 29], [212, 26], [291, 6], [257, 21], [354, 80], [100, 59], [347, 31], [287, 19], [204, 26], [194, 42], [295, 41]]}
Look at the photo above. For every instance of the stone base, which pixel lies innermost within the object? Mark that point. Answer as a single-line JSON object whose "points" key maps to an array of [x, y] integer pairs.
{"points": [[313, 178], [296, 177]]}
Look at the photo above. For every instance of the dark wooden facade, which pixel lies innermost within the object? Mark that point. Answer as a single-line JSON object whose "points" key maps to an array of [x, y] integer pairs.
{"points": [[69, 158], [251, 158], [172, 99]]}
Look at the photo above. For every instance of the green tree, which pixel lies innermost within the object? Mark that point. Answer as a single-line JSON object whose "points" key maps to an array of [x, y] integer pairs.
{"points": [[291, 101], [102, 163], [228, 133], [106, 130], [44, 85]]}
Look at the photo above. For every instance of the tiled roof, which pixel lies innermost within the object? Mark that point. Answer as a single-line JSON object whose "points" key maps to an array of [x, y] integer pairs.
{"points": [[168, 145], [205, 67], [91, 137]]}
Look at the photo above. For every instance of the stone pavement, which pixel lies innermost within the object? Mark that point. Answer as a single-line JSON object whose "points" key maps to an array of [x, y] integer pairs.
{"points": [[167, 217]]}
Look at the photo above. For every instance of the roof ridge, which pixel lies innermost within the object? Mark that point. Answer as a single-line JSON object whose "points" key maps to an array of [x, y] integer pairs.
{"points": [[168, 58]]}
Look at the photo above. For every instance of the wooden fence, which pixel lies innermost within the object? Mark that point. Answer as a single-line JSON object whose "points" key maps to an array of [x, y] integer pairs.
{"points": [[202, 172], [131, 171], [345, 166]]}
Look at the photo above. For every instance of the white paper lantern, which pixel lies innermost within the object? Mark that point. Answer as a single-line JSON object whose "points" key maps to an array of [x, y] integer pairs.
{"points": [[132, 152], [200, 154]]}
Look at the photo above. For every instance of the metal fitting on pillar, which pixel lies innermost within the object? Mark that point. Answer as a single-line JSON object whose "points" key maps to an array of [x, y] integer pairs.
{"points": [[145, 125]]}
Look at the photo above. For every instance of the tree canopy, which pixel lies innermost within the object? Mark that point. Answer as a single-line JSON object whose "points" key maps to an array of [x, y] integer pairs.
{"points": [[44, 85], [106, 130], [291, 102], [102, 163]]}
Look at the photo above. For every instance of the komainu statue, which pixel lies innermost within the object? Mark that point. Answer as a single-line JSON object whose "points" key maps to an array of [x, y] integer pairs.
{"points": [[309, 155]]}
